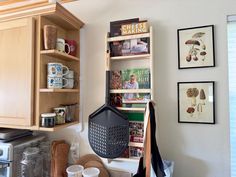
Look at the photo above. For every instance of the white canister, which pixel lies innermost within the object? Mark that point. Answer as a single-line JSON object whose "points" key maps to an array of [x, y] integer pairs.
{"points": [[75, 171], [91, 172]]}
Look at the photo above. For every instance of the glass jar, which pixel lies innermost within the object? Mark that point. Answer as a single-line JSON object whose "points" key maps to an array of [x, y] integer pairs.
{"points": [[31, 164], [45, 148]]}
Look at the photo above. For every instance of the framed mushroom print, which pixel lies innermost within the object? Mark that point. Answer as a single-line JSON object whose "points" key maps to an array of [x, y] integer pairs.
{"points": [[196, 102], [196, 47]]}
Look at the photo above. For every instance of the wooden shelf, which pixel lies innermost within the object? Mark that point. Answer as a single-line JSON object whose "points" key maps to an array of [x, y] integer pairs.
{"points": [[59, 90], [122, 159], [33, 127], [135, 144], [131, 109], [60, 55], [131, 57], [122, 38], [131, 91], [58, 127]]}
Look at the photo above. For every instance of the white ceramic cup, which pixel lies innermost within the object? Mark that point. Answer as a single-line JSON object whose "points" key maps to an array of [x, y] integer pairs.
{"points": [[91, 172], [61, 45], [69, 74], [69, 83], [57, 82], [75, 171], [57, 70]]}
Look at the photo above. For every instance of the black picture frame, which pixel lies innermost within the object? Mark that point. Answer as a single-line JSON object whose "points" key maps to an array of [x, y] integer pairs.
{"points": [[196, 48], [196, 102]]}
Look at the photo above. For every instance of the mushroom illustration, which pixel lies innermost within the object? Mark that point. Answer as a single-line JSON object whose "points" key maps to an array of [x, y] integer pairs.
{"points": [[192, 93], [202, 99], [192, 51], [198, 36], [190, 110], [202, 96], [203, 53]]}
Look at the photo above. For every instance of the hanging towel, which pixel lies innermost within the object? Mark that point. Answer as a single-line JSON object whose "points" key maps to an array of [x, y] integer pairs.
{"points": [[153, 166]]}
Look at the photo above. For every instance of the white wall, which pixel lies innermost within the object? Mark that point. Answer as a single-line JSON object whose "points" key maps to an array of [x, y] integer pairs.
{"points": [[198, 150]]}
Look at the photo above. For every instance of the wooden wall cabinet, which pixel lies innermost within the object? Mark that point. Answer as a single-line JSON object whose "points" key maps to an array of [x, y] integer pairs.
{"points": [[23, 66], [17, 71]]}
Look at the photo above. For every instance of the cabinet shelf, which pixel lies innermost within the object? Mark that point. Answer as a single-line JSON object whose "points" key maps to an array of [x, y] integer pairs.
{"points": [[135, 144], [130, 91], [131, 109], [45, 90], [122, 38], [131, 57], [58, 127], [123, 159], [60, 55]]}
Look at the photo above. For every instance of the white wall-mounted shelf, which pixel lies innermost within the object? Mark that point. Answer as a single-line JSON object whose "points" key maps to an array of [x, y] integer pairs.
{"points": [[131, 57], [130, 91], [127, 62], [131, 109], [134, 36]]}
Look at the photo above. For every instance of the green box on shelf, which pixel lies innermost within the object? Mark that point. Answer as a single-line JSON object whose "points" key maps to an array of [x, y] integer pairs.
{"points": [[135, 116]]}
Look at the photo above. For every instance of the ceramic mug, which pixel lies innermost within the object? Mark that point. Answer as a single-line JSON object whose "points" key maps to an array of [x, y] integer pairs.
{"points": [[57, 70], [61, 46], [69, 83], [69, 74], [73, 46], [56, 82]]}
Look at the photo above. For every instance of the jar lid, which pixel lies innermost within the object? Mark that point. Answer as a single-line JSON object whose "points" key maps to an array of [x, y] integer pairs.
{"points": [[48, 115]]}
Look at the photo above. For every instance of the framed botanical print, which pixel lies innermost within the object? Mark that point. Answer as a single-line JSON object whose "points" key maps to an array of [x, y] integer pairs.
{"points": [[196, 102], [196, 47]]}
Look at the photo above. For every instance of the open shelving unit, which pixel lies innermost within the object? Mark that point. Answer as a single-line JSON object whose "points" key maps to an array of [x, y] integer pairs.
{"points": [[132, 61], [68, 27]]}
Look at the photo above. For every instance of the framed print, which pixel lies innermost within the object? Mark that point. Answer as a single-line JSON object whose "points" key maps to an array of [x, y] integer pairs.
{"points": [[196, 47], [196, 102]]}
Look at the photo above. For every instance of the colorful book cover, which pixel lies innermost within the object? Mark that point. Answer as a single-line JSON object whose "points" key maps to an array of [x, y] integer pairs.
{"points": [[135, 152], [135, 47], [129, 47], [137, 78], [116, 80], [136, 131], [115, 26], [116, 99]]}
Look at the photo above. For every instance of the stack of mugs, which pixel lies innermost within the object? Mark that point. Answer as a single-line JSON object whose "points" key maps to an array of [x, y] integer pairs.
{"points": [[56, 71]]}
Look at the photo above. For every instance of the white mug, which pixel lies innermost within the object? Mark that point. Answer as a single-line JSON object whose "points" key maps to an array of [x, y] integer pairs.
{"points": [[61, 46], [69, 74], [69, 83], [57, 70], [56, 82]]}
